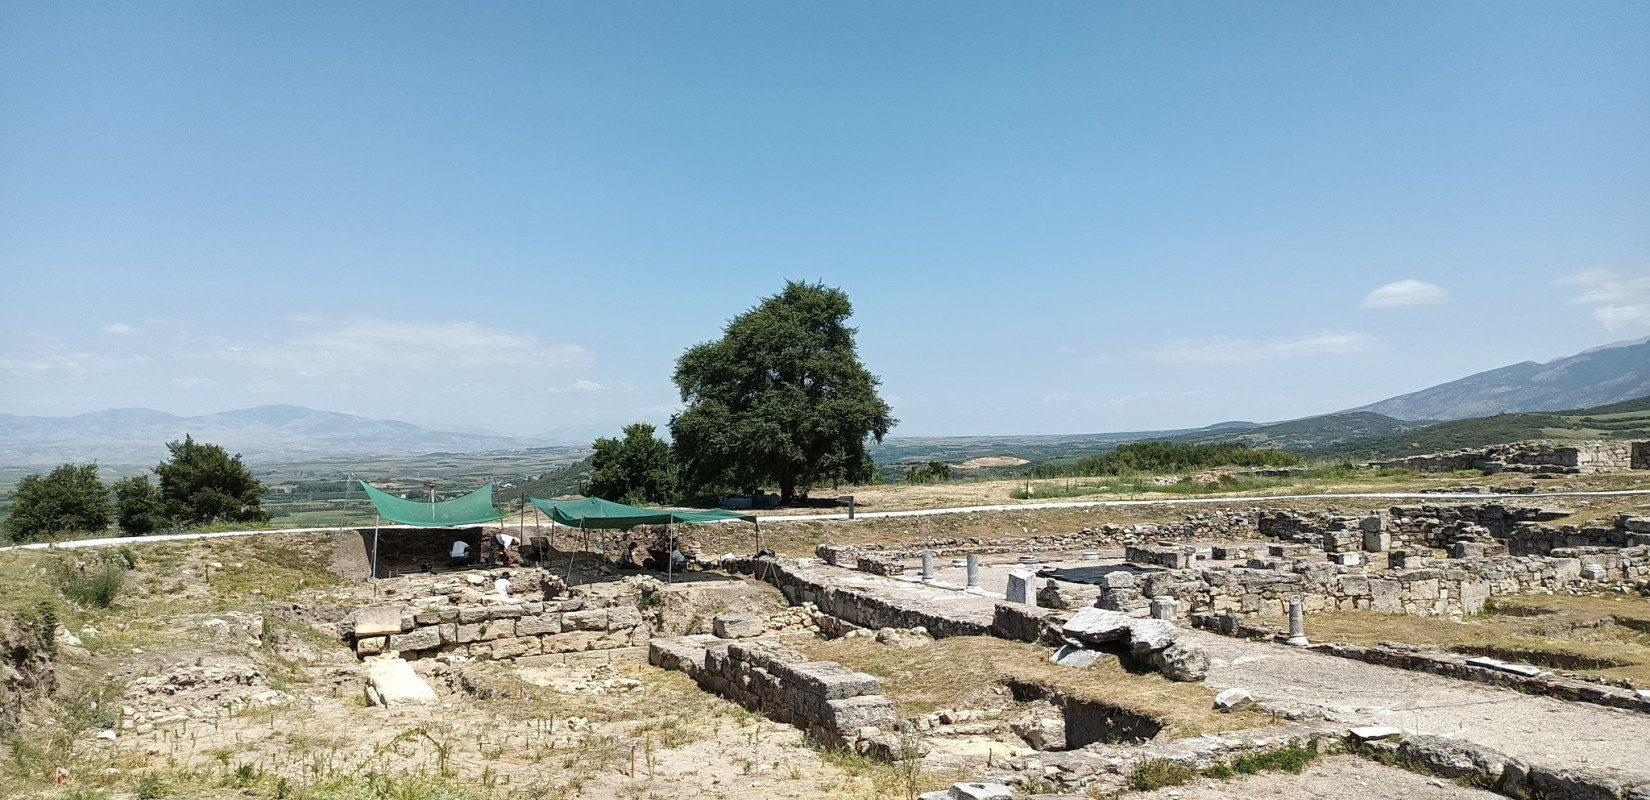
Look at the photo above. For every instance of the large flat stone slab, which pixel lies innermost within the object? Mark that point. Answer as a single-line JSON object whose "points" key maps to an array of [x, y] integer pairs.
{"points": [[391, 682]]}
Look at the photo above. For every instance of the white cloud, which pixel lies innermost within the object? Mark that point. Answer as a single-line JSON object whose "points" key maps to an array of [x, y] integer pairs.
{"points": [[1056, 397], [1227, 350], [194, 383], [1620, 298], [360, 345], [1408, 292], [582, 386], [119, 329]]}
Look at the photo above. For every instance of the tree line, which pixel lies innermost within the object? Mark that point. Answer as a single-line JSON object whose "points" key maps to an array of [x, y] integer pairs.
{"points": [[199, 484], [1164, 457]]}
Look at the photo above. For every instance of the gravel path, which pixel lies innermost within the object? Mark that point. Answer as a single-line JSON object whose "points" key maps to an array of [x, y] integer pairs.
{"points": [[1535, 728], [1339, 778]]}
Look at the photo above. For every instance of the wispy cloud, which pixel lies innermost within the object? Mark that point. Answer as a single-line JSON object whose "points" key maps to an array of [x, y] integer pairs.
{"points": [[1407, 292], [1227, 350], [360, 345], [119, 329], [1620, 299]]}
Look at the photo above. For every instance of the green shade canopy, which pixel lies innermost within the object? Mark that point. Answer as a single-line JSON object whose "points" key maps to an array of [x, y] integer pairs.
{"points": [[471, 509], [594, 512]]}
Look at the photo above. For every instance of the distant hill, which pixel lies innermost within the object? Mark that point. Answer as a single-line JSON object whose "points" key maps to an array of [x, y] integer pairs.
{"points": [[1625, 420], [1609, 374], [264, 433], [1302, 435]]}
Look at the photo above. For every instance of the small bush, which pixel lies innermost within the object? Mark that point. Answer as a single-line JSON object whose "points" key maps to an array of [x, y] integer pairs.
{"points": [[1158, 773], [1292, 759], [92, 583]]}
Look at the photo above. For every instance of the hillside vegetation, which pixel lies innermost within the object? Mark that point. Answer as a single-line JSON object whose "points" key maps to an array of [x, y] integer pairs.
{"points": [[1625, 420]]}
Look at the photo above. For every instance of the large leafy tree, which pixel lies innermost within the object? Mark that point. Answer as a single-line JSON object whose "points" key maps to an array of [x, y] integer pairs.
{"points": [[781, 398], [69, 498], [138, 507], [636, 469], [202, 484]]}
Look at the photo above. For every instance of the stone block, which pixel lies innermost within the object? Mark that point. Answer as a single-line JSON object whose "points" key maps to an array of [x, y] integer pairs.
{"points": [[370, 645], [391, 682], [1022, 587], [516, 647], [1377, 541], [737, 626], [979, 791], [470, 614], [620, 618], [449, 633], [498, 629], [850, 714], [1566, 570], [1453, 758], [383, 621], [541, 625], [1551, 782], [426, 638], [506, 611], [1232, 699], [832, 681], [464, 634], [594, 619]]}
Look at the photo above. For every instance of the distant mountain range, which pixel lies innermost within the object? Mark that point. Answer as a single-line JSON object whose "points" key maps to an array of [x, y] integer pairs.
{"points": [[285, 433], [266, 433], [1596, 377]]}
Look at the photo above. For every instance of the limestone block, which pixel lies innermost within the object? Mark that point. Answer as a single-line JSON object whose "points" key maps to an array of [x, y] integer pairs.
{"points": [[469, 614], [506, 611], [370, 645], [1386, 597], [1474, 594], [391, 682], [1452, 758], [1184, 663], [737, 626], [594, 619], [832, 681], [426, 638], [449, 633], [1232, 699], [1098, 625], [386, 620], [980, 791], [1377, 541], [464, 634], [618, 618], [540, 625], [851, 714], [516, 647], [498, 629], [1022, 587], [1566, 570]]}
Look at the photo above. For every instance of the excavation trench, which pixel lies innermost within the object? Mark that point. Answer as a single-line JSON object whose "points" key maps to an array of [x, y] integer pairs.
{"points": [[1087, 720]]}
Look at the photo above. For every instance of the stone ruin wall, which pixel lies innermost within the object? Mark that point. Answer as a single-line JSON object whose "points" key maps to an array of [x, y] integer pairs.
{"points": [[451, 615], [834, 704], [1537, 457]]}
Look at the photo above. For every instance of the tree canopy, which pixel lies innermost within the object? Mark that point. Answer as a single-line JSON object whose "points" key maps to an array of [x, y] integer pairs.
{"points": [[636, 469], [203, 484], [69, 498], [781, 398], [138, 507]]}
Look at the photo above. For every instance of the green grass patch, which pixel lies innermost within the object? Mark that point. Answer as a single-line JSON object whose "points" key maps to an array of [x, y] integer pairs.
{"points": [[1159, 773]]}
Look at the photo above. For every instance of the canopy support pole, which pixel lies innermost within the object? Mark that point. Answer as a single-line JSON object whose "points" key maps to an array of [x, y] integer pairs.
{"points": [[374, 575], [670, 552]]}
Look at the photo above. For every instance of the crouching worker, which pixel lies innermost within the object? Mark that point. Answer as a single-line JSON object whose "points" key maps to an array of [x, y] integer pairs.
{"points": [[627, 559], [460, 554]]}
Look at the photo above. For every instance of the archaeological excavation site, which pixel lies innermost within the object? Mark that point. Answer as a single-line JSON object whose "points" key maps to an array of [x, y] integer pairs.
{"points": [[1451, 647]]}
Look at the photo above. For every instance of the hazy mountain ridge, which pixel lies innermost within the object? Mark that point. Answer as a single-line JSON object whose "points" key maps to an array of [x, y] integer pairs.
{"points": [[1599, 376], [267, 433]]}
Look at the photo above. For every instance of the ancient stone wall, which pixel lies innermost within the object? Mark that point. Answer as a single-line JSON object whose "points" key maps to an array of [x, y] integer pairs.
{"points": [[1569, 458], [831, 702], [800, 586]]}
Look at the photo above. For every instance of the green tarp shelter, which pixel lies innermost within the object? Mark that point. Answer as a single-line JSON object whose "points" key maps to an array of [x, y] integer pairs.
{"points": [[474, 508], [594, 513]]}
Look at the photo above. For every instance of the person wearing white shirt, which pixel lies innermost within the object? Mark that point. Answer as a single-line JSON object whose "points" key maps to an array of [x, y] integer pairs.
{"points": [[502, 586], [460, 554]]}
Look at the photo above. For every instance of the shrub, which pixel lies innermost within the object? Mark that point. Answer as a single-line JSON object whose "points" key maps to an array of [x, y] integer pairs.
{"points": [[1158, 773], [93, 582]]}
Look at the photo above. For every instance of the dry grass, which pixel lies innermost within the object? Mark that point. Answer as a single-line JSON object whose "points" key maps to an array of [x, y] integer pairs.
{"points": [[1559, 632], [963, 671]]}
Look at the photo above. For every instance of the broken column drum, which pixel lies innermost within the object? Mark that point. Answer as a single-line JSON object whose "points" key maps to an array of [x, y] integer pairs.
{"points": [[1163, 607], [1297, 623], [928, 565], [973, 571]]}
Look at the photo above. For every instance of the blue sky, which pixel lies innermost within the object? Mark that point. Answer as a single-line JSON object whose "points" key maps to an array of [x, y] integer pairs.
{"points": [[1052, 217]]}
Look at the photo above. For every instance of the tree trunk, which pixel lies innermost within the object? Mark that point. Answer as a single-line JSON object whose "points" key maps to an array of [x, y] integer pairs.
{"points": [[787, 492]]}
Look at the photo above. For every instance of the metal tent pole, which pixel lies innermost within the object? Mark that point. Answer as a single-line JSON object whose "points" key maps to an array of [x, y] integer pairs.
{"points": [[670, 552], [374, 575]]}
